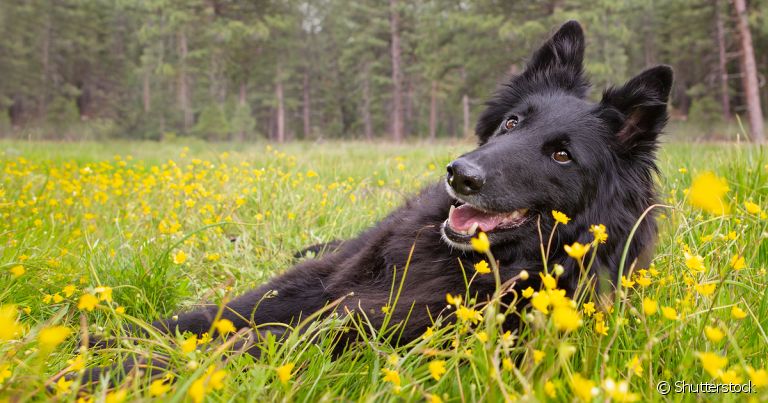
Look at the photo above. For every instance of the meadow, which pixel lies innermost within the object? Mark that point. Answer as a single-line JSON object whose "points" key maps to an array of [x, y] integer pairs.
{"points": [[94, 237]]}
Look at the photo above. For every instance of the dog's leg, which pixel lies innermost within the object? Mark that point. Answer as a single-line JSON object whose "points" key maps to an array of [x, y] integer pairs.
{"points": [[286, 299]]}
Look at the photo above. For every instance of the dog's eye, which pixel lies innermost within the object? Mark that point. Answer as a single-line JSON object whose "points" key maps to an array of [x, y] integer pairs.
{"points": [[562, 156], [511, 122]]}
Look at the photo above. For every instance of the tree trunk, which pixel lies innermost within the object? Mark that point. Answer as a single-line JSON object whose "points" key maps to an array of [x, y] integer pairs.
{"points": [[465, 109], [45, 56], [242, 102], [649, 43], [465, 106], [749, 73], [725, 100], [408, 109], [307, 106], [183, 95], [367, 120], [280, 135], [146, 91], [397, 74], [433, 112]]}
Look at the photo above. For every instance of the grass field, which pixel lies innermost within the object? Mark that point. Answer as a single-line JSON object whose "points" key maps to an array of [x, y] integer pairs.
{"points": [[94, 237]]}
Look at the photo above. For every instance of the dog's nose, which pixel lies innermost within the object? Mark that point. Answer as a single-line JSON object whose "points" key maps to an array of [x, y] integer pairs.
{"points": [[465, 177]]}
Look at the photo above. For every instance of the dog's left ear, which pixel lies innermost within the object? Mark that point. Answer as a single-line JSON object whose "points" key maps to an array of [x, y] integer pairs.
{"points": [[641, 104], [564, 50]]}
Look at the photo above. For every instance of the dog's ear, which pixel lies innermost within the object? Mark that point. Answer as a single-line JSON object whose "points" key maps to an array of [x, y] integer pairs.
{"points": [[641, 104], [564, 50]]}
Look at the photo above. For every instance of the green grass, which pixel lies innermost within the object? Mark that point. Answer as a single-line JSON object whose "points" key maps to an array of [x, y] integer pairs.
{"points": [[116, 214]]}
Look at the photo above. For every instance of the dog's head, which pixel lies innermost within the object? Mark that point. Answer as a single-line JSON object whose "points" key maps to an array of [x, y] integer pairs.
{"points": [[544, 147]]}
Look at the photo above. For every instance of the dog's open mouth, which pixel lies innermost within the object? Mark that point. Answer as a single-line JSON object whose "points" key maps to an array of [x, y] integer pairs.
{"points": [[466, 220]]}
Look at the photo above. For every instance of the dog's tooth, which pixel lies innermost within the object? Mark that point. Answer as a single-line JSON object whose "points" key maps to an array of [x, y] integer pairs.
{"points": [[450, 211], [473, 228]]}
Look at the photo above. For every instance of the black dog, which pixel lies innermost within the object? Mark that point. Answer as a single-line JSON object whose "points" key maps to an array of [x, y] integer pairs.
{"points": [[542, 147]]}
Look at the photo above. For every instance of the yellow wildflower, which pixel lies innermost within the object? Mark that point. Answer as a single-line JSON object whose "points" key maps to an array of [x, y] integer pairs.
{"points": [[284, 372], [9, 325], [63, 386], [758, 377], [189, 344], [714, 334], [50, 337], [643, 281], [204, 339], [634, 365], [77, 363], [540, 301], [69, 290], [468, 314], [601, 328], [5, 372], [627, 283], [17, 271], [159, 387], [707, 193], [105, 293], [738, 313], [705, 289], [224, 326], [619, 391], [583, 388], [669, 313], [453, 300], [566, 318], [433, 398], [752, 208], [528, 292], [650, 306], [549, 389], [713, 363], [482, 267], [391, 376], [560, 217], [179, 257], [589, 308], [213, 379], [599, 232], [481, 243], [437, 369], [694, 262], [738, 263], [548, 281], [538, 355], [427, 334], [731, 376], [116, 396], [576, 250], [87, 302]]}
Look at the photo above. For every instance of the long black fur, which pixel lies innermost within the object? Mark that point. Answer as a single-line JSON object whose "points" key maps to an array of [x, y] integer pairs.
{"points": [[610, 181]]}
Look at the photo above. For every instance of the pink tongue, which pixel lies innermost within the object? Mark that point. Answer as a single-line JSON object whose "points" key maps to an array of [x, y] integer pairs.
{"points": [[464, 216]]}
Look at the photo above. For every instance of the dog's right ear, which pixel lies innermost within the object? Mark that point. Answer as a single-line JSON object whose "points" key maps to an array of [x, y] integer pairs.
{"points": [[563, 51], [637, 111]]}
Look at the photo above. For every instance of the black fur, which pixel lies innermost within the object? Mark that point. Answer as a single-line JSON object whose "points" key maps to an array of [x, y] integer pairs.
{"points": [[609, 181]]}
